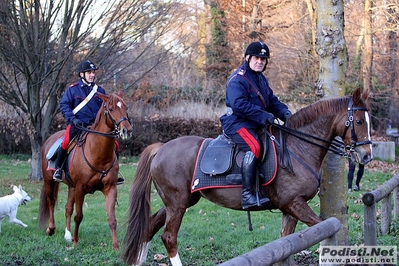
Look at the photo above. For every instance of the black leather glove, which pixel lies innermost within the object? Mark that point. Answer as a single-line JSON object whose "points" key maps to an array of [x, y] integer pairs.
{"points": [[287, 114], [77, 122], [270, 119]]}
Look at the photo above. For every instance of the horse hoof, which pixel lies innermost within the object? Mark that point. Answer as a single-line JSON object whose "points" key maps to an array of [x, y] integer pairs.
{"points": [[115, 247], [50, 232]]}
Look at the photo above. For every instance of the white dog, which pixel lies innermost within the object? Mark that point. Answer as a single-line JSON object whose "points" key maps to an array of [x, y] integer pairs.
{"points": [[9, 205]]}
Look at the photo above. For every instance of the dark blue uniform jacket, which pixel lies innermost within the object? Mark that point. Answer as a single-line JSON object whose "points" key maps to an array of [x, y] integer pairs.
{"points": [[73, 96], [248, 110]]}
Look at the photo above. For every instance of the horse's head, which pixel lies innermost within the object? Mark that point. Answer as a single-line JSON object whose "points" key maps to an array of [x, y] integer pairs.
{"points": [[115, 115], [357, 131]]}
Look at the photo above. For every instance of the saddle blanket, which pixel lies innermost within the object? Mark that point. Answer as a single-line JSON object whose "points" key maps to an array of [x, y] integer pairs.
{"points": [[231, 178]]}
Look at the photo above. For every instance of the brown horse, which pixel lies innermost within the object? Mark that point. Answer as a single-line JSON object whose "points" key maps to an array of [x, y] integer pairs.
{"points": [[170, 167], [93, 166]]}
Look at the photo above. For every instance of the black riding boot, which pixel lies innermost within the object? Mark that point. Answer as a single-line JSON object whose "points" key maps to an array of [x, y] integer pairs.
{"points": [[58, 164], [121, 180], [248, 171]]}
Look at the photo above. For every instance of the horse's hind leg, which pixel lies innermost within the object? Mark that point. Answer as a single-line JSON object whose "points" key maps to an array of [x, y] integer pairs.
{"points": [[169, 236], [51, 192], [157, 221], [68, 213]]}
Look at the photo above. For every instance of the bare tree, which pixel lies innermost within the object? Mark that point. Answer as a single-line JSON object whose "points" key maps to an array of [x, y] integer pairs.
{"points": [[331, 49], [42, 41]]}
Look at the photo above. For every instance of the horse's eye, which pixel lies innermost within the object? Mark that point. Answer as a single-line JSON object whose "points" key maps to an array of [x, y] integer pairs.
{"points": [[111, 109], [359, 122]]}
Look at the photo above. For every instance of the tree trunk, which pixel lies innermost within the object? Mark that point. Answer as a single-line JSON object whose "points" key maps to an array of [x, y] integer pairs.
{"points": [[36, 163], [331, 48], [367, 61]]}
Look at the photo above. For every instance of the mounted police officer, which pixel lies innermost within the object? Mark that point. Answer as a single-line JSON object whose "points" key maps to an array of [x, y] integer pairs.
{"points": [[251, 105], [79, 106]]}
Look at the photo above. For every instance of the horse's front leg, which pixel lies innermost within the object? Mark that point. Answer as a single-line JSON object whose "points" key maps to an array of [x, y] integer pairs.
{"points": [[68, 213], [110, 199], [288, 225], [300, 210], [79, 199]]}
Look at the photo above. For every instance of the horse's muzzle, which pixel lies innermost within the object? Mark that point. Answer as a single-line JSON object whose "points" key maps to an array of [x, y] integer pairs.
{"points": [[125, 133]]}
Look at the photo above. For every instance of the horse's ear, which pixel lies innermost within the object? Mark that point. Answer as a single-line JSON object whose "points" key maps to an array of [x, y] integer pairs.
{"points": [[356, 96], [366, 95], [103, 97]]}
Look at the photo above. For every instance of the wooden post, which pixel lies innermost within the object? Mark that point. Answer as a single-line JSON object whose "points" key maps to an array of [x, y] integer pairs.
{"points": [[370, 217], [370, 225], [386, 213]]}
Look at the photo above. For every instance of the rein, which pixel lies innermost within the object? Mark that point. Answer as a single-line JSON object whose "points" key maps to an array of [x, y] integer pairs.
{"points": [[335, 146]]}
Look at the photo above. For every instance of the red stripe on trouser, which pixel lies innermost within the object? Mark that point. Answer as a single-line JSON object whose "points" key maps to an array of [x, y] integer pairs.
{"points": [[65, 142], [250, 140]]}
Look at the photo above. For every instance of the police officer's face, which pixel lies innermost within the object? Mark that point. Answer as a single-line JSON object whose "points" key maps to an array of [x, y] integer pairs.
{"points": [[257, 64], [89, 75]]}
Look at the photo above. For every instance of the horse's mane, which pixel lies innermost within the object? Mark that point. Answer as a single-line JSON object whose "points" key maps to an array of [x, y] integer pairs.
{"points": [[320, 108]]}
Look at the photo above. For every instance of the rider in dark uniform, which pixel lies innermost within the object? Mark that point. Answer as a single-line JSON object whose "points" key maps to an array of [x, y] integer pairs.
{"points": [[81, 116], [250, 105]]}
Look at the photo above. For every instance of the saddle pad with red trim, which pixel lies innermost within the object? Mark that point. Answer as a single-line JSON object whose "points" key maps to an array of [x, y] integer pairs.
{"points": [[232, 177]]}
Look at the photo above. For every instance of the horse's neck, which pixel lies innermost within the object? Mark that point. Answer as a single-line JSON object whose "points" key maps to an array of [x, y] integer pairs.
{"points": [[311, 151], [102, 146]]}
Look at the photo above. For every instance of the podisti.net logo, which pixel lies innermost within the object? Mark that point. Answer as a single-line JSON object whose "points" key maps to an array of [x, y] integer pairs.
{"points": [[386, 255]]}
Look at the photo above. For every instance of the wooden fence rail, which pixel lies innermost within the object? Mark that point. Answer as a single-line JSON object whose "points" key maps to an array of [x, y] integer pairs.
{"points": [[284, 247], [384, 194]]}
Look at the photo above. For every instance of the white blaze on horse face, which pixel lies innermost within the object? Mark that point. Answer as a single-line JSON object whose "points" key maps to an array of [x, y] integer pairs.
{"points": [[119, 104], [366, 114]]}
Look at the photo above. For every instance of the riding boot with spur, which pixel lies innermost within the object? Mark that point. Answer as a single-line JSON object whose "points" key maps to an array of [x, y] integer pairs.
{"points": [[248, 172], [58, 164]]}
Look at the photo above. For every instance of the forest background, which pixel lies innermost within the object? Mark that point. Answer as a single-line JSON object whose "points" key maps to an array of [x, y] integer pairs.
{"points": [[171, 60]]}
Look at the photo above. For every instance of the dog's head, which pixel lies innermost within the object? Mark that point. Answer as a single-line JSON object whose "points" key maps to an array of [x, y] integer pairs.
{"points": [[25, 197]]}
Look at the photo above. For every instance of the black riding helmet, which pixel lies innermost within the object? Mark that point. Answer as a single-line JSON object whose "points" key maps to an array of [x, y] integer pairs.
{"points": [[85, 66], [258, 49]]}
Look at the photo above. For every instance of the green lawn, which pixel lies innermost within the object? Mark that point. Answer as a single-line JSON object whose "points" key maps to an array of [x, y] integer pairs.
{"points": [[209, 234]]}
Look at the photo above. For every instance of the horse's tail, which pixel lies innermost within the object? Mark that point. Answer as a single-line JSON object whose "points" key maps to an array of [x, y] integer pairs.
{"points": [[44, 211], [137, 235]]}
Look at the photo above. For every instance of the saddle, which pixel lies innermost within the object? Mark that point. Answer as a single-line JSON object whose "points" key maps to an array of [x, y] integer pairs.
{"points": [[51, 155], [219, 161]]}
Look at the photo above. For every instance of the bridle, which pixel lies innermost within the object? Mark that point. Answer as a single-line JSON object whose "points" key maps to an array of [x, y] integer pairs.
{"points": [[350, 124], [107, 115]]}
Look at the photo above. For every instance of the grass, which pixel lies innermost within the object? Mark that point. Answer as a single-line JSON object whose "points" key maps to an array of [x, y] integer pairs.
{"points": [[209, 234]]}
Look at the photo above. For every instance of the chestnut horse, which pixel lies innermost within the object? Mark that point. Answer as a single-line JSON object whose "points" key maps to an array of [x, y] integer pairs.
{"points": [[170, 167], [93, 166]]}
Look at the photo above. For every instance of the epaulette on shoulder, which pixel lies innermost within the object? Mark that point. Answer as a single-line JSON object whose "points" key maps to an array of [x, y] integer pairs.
{"points": [[73, 84], [241, 71]]}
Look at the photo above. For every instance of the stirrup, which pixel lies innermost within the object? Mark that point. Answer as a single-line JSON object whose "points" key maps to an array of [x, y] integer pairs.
{"points": [[121, 180], [57, 177]]}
